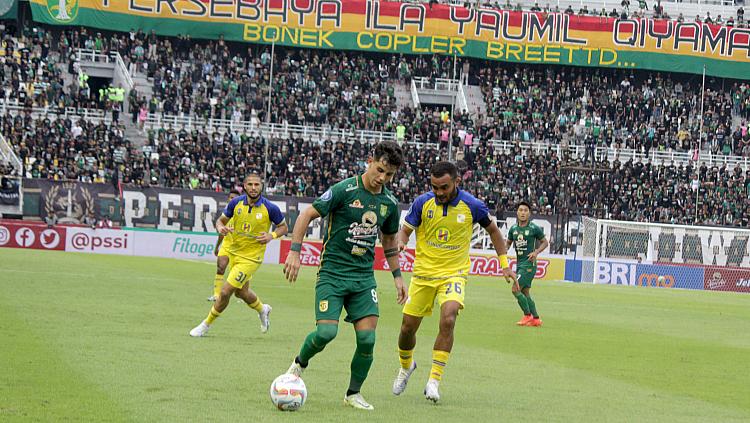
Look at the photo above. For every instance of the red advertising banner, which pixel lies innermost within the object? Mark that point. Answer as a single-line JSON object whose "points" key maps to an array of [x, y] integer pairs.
{"points": [[726, 279], [20, 234], [481, 265]]}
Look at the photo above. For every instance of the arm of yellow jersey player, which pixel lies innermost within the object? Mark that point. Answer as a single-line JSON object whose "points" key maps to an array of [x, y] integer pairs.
{"points": [[221, 225], [403, 237], [218, 245], [391, 245], [292, 263], [266, 237], [501, 248]]}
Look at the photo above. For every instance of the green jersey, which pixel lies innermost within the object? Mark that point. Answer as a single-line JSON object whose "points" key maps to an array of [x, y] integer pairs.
{"points": [[524, 240], [355, 215]]}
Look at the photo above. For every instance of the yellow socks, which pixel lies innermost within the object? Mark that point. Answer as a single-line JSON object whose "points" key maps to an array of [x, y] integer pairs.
{"points": [[406, 357], [257, 305], [218, 282], [212, 315], [439, 360]]}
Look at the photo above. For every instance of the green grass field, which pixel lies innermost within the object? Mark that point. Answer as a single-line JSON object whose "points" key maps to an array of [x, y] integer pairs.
{"points": [[94, 338]]}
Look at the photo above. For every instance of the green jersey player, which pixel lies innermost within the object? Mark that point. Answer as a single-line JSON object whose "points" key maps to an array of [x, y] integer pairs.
{"points": [[528, 239], [356, 210]]}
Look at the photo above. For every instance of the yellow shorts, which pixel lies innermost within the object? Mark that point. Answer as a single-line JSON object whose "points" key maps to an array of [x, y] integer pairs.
{"points": [[242, 271], [423, 292], [223, 249]]}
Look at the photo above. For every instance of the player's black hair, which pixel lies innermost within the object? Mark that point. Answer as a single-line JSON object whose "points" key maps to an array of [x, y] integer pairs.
{"points": [[442, 168], [390, 151], [523, 203], [253, 175]]}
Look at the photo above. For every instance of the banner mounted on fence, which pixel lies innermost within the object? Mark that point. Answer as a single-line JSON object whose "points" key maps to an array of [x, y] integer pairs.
{"points": [[392, 27]]}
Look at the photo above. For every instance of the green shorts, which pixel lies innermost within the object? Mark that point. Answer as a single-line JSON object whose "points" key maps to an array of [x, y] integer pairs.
{"points": [[526, 274], [359, 298]]}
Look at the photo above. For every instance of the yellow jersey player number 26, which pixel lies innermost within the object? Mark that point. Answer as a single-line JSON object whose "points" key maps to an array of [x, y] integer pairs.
{"points": [[443, 220]]}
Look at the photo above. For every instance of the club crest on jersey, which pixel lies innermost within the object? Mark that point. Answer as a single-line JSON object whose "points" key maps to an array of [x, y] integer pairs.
{"points": [[461, 218], [383, 210], [259, 216], [323, 306], [356, 204], [443, 235], [526, 233]]}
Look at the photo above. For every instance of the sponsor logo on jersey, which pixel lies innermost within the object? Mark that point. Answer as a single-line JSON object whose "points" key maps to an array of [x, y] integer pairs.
{"points": [[358, 251], [367, 229], [323, 306], [461, 218], [259, 216], [356, 204], [443, 234]]}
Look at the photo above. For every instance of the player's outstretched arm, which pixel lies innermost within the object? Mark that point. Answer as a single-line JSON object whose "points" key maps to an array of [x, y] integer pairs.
{"points": [[501, 248], [391, 249], [292, 263]]}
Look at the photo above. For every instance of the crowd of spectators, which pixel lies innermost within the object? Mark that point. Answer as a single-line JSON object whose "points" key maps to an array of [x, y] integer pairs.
{"points": [[628, 190], [65, 148]]}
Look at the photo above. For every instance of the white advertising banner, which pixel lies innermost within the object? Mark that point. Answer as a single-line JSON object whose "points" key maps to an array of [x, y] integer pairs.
{"points": [[186, 245], [102, 241]]}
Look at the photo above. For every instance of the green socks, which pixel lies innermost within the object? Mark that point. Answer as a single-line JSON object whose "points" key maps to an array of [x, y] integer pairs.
{"points": [[362, 360], [523, 302]]}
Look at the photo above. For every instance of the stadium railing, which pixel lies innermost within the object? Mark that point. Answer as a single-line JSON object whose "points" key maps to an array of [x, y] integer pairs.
{"points": [[251, 127], [436, 84], [14, 108], [87, 55], [414, 94], [156, 121], [8, 155]]}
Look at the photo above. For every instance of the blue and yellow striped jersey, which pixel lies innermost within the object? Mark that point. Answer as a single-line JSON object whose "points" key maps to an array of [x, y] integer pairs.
{"points": [[444, 233], [250, 220]]}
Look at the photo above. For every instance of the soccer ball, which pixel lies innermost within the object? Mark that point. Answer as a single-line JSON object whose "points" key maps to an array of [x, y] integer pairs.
{"points": [[288, 392], [662, 281]]}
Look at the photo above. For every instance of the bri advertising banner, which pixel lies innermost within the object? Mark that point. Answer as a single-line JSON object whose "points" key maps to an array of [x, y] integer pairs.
{"points": [[415, 28], [652, 275]]}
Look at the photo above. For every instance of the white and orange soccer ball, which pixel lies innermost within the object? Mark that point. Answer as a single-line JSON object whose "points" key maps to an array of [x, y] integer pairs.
{"points": [[288, 392]]}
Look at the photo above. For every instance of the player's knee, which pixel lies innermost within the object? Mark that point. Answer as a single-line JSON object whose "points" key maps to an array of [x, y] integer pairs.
{"points": [[325, 333], [366, 340]]}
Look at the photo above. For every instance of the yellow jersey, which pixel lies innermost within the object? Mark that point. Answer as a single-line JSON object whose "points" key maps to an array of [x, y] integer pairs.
{"points": [[250, 220], [444, 234]]}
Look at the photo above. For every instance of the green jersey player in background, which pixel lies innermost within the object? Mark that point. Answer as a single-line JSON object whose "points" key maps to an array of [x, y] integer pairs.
{"points": [[524, 236], [356, 210]]}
